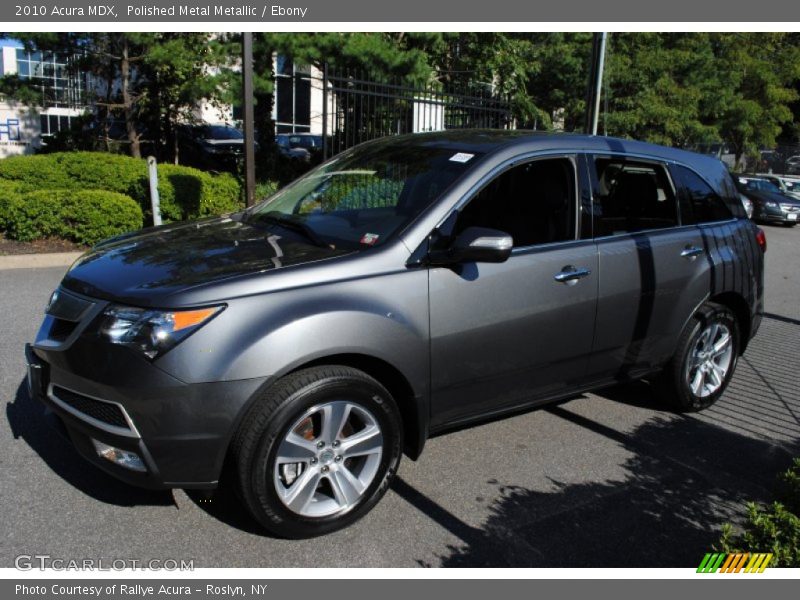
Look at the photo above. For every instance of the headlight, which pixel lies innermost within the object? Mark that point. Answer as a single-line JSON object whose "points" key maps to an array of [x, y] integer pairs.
{"points": [[152, 332], [770, 204]]}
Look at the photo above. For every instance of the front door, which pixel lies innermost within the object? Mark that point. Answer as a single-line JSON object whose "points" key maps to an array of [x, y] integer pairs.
{"points": [[512, 333]]}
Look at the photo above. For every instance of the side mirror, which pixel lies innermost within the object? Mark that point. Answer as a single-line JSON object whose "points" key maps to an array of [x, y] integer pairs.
{"points": [[476, 244]]}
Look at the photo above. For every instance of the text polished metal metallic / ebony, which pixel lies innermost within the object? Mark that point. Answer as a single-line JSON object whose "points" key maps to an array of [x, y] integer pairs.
{"points": [[405, 287]]}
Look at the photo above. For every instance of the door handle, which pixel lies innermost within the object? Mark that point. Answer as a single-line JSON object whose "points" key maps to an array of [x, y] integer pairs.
{"points": [[691, 252], [570, 275]]}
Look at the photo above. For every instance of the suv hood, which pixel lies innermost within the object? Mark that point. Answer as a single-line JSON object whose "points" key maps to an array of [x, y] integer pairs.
{"points": [[146, 267]]}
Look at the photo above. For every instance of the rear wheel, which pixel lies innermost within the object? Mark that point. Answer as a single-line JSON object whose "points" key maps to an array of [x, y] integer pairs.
{"points": [[704, 361], [317, 451]]}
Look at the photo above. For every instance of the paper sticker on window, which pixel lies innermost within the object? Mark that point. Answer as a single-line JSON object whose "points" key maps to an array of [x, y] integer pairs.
{"points": [[461, 157], [370, 239]]}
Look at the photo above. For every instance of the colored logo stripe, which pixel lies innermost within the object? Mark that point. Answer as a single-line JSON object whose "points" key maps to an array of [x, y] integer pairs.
{"points": [[734, 562]]}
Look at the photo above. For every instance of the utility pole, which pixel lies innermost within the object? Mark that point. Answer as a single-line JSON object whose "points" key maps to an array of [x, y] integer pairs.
{"points": [[249, 134], [595, 82]]}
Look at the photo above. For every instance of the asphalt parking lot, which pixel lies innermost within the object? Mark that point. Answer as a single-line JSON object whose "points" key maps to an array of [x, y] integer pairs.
{"points": [[607, 479]]}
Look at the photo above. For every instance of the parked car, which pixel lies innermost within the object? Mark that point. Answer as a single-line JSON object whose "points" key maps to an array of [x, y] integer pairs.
{"points": [[292, 152], [300, 146], [215, 147], [408, 286], [770, 204], [786, 185], [793, 165]]}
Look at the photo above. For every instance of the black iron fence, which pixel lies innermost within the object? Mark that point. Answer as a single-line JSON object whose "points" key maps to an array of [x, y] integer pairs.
{"points": [[356, 108]]}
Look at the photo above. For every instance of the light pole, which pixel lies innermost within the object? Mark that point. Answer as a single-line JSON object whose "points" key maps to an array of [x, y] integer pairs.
{"points": [[595, 82], [249, 134]]}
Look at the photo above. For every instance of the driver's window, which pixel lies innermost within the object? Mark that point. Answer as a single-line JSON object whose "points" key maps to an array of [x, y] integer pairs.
{"points": [[533, 202]]}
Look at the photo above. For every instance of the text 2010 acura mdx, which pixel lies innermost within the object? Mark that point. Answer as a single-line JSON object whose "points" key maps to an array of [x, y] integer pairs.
{"points": [[409, 285]]}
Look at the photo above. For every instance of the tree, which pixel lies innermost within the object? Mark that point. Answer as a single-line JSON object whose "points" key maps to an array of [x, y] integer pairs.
{"points": [[178, 72], [762, 70], [657, 85], [150, 81]]}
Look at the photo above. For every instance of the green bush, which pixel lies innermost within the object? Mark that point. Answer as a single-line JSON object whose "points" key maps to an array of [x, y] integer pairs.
{"points": [[198, 194], [265, 189], [9, 191], [81, 216], [774, 528], [185, 193]]}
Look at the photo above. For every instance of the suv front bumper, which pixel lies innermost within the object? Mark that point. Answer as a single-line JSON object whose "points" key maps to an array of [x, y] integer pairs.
{"points": [[180, 431]]}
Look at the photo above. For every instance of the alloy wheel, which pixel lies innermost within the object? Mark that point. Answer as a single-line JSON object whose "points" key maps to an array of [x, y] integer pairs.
{"points": [[710, 360], [328, 459]]}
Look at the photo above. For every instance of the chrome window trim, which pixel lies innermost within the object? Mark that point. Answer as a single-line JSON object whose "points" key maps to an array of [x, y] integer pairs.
{"points": [[131, 433]]}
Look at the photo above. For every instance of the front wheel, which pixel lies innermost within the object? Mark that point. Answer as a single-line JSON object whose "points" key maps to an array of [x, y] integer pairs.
{"points": [[704, 361], [317, 451]]}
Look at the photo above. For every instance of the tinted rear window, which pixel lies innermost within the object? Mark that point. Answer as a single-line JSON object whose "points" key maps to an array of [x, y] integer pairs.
{"points": [[631, 196], [699, 202]]}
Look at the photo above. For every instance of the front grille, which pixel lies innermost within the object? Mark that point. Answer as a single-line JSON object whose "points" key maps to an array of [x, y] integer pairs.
{"points": [[790, 208], [105, 412]]}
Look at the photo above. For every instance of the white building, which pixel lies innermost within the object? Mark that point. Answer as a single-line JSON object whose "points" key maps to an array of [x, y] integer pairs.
{"points": [[22, 129]]}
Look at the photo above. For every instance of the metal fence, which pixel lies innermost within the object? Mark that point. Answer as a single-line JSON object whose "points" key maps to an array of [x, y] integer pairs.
{"points": [[783, 160], [356, 108]]}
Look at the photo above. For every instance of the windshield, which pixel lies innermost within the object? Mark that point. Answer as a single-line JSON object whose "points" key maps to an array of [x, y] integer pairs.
{"points": [[305, 141], [792, 186], [220, 132], [762, 185], [362, 198]]}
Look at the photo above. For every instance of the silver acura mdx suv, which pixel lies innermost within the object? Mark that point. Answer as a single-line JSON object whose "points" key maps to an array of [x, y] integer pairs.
{"points": [[407, 286]]}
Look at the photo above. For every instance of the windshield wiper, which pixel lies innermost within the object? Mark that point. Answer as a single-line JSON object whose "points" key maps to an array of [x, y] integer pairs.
{"points": [[296, 226]]}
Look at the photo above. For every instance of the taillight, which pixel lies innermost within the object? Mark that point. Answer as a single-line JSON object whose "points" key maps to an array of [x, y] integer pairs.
{"points": [[761, 238]]}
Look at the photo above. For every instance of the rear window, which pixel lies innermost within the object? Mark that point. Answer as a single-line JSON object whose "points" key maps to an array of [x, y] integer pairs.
{"points": [[632, 196], [699, 202]]}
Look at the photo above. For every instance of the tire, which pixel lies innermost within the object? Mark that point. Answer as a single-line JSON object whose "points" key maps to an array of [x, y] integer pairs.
{"points": [[678, 383], [337, 481]]}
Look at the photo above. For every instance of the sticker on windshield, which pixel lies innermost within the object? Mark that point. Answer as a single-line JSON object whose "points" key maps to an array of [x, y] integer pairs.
{"points": [[370, 239], [462, 157]]}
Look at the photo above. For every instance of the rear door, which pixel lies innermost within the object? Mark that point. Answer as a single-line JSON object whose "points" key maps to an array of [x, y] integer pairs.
{"points": [[507, 334], [653, 269]]}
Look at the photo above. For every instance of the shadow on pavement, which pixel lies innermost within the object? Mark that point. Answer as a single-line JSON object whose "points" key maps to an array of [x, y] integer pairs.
{"points": [[29, 422], [225, 506], [683, 480]]}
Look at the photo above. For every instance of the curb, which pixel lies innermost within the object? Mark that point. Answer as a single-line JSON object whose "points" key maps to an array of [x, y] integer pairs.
{"points": [[38, 261]]}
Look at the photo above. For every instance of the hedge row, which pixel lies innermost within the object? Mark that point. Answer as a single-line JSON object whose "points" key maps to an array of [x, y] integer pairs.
{"points": [[82, 216], [185, 193]]}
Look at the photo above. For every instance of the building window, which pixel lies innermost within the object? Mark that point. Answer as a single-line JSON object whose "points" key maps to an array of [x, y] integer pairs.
{"points": [[60, 83], [52, 124], [292, 110]]}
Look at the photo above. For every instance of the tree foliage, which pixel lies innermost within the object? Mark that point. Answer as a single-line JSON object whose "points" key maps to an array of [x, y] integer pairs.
{"points": [[679, 89]]}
